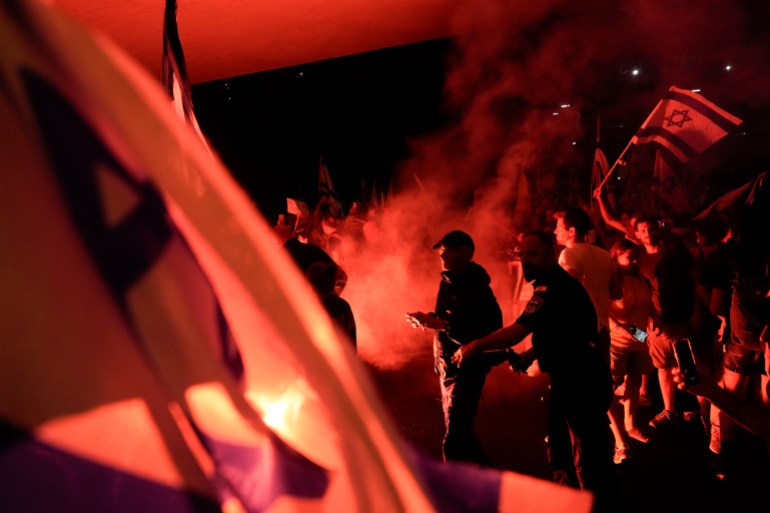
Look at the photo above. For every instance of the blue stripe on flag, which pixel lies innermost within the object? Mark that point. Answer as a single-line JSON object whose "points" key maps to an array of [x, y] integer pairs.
{"points": [[651, 133], [459, 487], [258, 478], [40, 478]]}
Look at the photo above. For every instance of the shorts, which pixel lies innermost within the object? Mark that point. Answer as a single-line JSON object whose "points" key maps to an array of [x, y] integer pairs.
{"points": [[744, 352], [662, 344], [624, 361], [744, 360]]}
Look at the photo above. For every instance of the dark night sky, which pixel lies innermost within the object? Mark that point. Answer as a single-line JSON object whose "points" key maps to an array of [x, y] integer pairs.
{"points": [[363, 113], [358, 112]]}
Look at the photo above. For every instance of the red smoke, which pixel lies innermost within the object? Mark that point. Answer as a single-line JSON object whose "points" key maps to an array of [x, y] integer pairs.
{"points": [[508, 155]]}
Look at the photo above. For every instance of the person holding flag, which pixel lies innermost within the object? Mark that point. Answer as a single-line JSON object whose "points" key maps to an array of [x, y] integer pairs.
{"points": [[682, 125]]}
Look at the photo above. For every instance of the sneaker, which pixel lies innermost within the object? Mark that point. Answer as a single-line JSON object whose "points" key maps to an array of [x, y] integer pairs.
{"points": [[715, 441], [664, 418], [620, 455], [644, 400]]}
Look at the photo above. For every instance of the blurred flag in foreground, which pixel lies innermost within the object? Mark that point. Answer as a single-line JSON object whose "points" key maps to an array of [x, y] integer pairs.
{"points": [[130, 260], [684, 124], [174, 70]]}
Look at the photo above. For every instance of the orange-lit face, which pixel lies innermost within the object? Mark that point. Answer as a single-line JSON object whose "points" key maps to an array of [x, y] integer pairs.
{"points": [[562, 233], [453, 259], [643, 233], [627, 259]]}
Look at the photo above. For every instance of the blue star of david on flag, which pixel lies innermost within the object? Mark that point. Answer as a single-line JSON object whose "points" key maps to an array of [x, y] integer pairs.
{"points": [[682, 115], [699, 124]]}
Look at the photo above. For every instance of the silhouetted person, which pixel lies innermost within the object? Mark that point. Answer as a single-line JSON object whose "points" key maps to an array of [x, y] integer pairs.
{"points": [[630, 360], [562, 321], [323, 277], [745, 364], [305, 254], [466, 309], [673, 286]]}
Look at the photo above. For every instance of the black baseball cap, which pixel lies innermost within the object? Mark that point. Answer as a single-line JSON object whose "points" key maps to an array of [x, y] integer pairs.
{"points": [[455, 239]]}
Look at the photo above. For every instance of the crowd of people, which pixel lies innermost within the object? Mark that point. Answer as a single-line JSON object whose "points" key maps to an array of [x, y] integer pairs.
{"points": [[627, 287], [626, 297]]}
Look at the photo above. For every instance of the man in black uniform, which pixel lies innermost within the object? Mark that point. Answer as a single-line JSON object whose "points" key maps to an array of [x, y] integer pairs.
{"points": [[466, 308], [562, 321]]}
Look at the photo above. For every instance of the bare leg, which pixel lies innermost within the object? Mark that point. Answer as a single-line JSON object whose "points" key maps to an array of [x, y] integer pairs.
{"points": [[630, 403], [616, 423], [737, 384], [667, 388], [644, 391]]}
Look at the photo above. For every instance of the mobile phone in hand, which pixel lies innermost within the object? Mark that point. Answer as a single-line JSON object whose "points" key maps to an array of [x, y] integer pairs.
{"points": [[686, 361], [639, 334]]}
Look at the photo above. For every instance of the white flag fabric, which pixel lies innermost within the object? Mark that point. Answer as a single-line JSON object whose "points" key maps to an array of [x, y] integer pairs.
{"points": [[297, 207], [160, 354], [300, 211], [684, 123]]}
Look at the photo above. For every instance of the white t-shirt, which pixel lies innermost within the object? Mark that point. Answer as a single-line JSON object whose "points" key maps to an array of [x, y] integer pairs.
{"points": [[593, 266]]}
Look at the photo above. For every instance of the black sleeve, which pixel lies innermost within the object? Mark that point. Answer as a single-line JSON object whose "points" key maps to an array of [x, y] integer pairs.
{"points": [[477, 314]]}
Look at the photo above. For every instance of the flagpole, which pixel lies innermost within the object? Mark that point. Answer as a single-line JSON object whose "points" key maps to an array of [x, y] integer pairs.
{"points": [[620, 159], [630, 143], [598, 131]]}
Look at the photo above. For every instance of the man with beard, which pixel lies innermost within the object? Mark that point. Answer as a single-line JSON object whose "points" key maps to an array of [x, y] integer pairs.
{"points": [[563, 324], [466, 308]]}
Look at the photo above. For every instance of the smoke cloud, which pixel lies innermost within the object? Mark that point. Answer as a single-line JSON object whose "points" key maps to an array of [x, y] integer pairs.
{"points": [[523, 87]]}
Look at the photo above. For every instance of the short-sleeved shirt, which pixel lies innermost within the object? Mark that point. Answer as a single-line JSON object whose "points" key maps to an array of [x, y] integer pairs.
{"points": [[594, 265], [634, 308], [563, 323]]}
